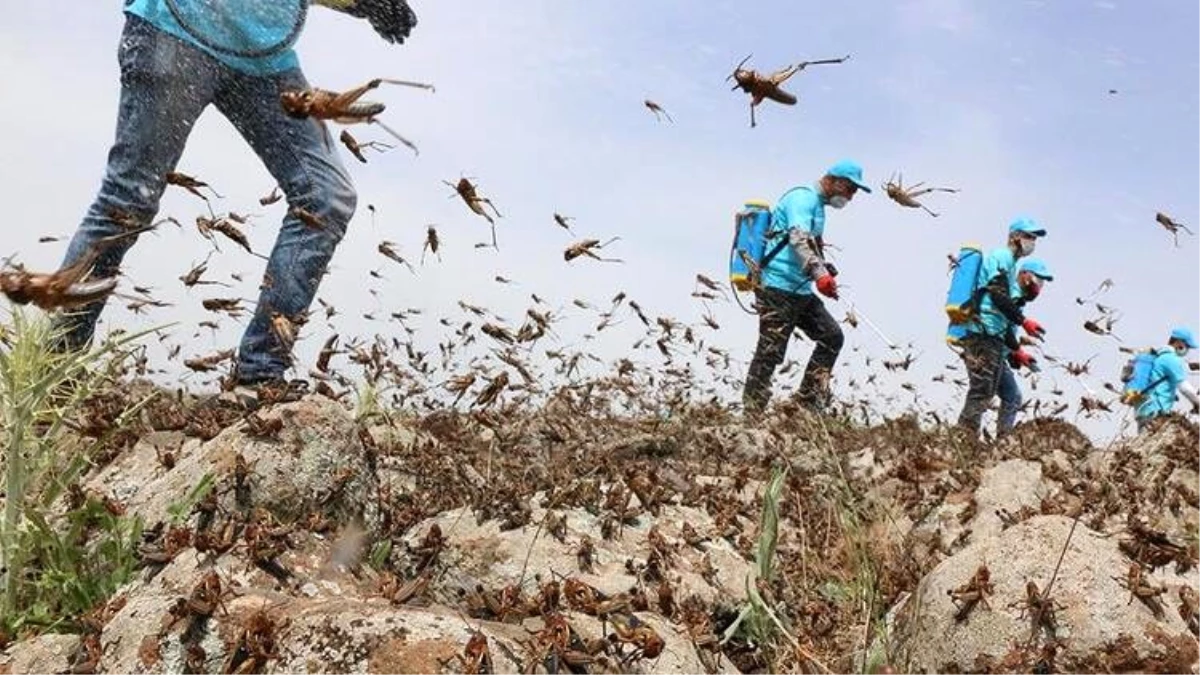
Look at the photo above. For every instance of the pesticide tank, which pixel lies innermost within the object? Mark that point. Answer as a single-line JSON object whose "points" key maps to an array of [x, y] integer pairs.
{"points": [[960, 308], [749, 240]]}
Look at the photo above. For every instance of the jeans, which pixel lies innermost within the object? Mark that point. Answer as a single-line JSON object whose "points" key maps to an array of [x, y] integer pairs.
{"points": [[165, 85], [780, 313], [983, 356], [1010, 400]]}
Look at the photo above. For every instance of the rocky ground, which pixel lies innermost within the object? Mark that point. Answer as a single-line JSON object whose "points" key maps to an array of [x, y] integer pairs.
{"points": [[564, 540]]}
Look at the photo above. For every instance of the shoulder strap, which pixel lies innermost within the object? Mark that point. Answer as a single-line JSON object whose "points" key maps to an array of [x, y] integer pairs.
{"points": [[775, 250]]}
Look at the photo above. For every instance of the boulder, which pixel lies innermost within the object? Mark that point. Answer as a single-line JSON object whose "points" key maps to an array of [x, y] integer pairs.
{"points": [[1098, 626]]}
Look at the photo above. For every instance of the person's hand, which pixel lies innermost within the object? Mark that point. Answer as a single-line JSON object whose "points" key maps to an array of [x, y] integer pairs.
{"points": [[1033, 328], [827, 286], [833, 271], [393, 20], [1021, 359]]}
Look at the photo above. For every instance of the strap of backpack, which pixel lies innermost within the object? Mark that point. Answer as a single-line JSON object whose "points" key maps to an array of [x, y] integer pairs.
{"points": [[775, 250], [1157, 382]]}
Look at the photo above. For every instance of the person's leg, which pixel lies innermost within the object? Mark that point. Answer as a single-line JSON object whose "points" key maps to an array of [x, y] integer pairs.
{"points": [[165, 85], [820, 327], [1010, 400], [776, 321], [982, 356], [301, 156]]}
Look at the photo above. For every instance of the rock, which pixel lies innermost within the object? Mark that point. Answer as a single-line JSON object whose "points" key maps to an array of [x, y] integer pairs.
{"points": [[49, 653], [1008, 485], [317, 463], [1096, 619], [481, 553]]}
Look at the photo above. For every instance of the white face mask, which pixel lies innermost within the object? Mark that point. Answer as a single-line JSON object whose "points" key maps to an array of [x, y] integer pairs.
{"points": [[838, 201], [1027, 246]]}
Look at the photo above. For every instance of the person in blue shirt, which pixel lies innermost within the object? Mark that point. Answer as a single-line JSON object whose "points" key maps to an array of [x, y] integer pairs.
{"points": [[786, 300], [178, 57], [984, 344], [1168, 377], [1032, 274]]}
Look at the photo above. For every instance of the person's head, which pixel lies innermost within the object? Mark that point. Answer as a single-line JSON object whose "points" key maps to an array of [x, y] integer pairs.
{"points": [[841, 182], [1182, 340], [1032, 274], [1023, 234]]}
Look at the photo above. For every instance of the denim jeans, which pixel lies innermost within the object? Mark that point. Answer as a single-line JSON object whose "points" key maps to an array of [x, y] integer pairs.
{"points": [[780, 313], [983, 356], [1010, 400], [165, 85]]}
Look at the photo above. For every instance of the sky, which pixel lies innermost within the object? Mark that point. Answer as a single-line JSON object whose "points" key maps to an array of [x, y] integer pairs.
{"points": [[541, 104]]}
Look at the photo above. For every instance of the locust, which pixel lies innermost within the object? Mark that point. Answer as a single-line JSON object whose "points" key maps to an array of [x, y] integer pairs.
{"points": [[973, 592], [189, 183], [588, 247], [658, 110], [563, 221], [357, 148], [465, 189], [68, 286], [307, 217], [204, 364], [386, 248], [271, 197], [1139, 587], [192, 276], [760, 87], [207, 226], [344, 107], [908, 196], [432, 243], [1172, 226]]}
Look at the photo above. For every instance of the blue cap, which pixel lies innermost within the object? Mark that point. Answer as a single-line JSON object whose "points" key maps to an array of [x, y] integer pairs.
{"points": [[1036, 267], [1026, 226], [1185, 336], [851, 171]]}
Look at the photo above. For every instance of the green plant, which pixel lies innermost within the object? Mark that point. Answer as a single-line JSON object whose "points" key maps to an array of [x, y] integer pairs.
{"points": [[179, 511], [758, 623], [55, 567]]}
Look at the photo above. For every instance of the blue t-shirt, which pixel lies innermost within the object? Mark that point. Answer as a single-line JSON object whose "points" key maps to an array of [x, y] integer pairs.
{"points": [[251, 36], [991, 321], [799, 208], [1169, 371]]}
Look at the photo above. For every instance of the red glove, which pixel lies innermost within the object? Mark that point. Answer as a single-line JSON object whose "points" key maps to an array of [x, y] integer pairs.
{"points": [[827, 286], [1021, 358], [1033, 328]]}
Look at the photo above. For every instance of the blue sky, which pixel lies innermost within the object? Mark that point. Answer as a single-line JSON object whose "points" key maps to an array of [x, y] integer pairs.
{"points": [[541, 102]]}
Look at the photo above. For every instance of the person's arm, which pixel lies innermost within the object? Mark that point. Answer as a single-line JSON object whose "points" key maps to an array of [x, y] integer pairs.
{"points": [[799, 210], [808, 253], [1189, 392], [997, 288], [393, 20]]}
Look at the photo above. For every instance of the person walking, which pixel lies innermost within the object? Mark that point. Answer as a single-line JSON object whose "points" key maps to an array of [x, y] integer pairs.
{"points": [[983, 345], [786, 299], [1168, 378], [176, 58], [1032, 274]]}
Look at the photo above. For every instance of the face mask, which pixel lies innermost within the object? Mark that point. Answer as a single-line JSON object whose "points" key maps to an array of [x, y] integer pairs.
{"points": [[838, 201], [1027, 246]]}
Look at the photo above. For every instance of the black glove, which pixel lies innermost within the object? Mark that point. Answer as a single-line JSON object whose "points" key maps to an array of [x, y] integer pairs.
{"points": [[392, 19]]}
